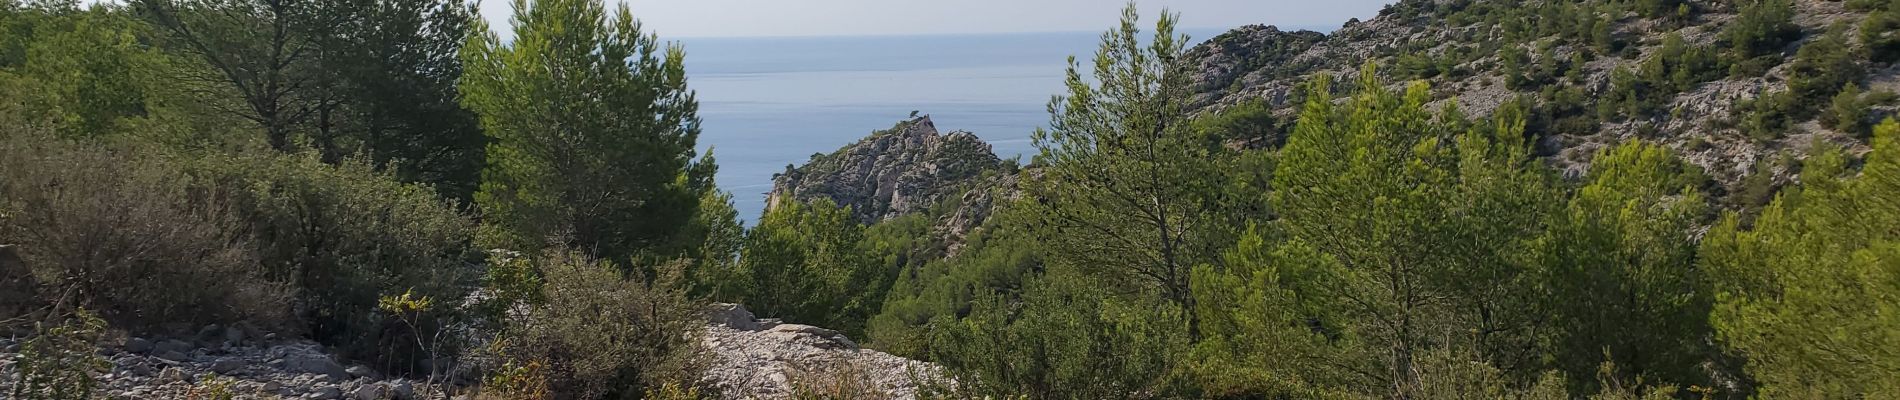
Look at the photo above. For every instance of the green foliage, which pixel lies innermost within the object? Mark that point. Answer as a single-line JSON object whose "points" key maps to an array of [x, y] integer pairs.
{"points": [[1271, 329], [996, 259], [1880, 31], [125, 232], [720, 236], [592, 333], [398, 92], [591, 125], [346, 235], [1621, 262], [1756, 35], [1767, 117], [1065, 338], [802, 263], [1427, 221], [1806, 294], [60, 362], [373, 79], [1822, 66], [1250, 122], [1847, 112], [86, 67], [1124, 135]]}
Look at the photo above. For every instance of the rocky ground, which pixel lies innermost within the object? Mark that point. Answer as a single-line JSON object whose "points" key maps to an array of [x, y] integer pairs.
{"points": [[751, 359], [228, 360], [765, 359]]}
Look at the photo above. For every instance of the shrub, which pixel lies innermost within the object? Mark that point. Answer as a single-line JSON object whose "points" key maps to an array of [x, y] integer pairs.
{"points": [[1847, 112], [113, 228], [59, 363], [346, 235], [1757, 34], [1822, 66], [1066, 337], [802, 263], [593, 333]]}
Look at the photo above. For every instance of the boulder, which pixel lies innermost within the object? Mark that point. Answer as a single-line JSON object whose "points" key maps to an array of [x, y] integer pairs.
{"points": [[317, 364], [373, 391], [732, 316], [228, 366], [138, 345], [233, 335], [172, 346], [812, 336], [403, 390], [326, 393], [173, 356], [362, 372], [211, 335]]}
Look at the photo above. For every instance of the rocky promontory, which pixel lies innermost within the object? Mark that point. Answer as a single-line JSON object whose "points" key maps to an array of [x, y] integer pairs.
{"points": [[905, 169]]}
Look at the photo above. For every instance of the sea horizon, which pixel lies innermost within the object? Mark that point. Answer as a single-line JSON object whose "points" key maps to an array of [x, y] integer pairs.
{"points": [[772, 101]]}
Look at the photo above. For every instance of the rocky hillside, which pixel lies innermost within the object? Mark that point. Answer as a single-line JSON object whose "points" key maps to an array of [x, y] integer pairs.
{"points": [[1571, 63], [908, 168], [954, 179]]}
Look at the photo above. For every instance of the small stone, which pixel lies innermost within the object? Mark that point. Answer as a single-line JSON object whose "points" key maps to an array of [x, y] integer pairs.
{"points": [[138, 345], [210, 332], [361, 372], [272, 386]]}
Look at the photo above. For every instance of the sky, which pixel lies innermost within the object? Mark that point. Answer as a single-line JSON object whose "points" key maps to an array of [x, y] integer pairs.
{"points": [[755, 18]]}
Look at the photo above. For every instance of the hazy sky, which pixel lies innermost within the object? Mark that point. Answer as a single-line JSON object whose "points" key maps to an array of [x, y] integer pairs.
{"points": [[717, 18]]}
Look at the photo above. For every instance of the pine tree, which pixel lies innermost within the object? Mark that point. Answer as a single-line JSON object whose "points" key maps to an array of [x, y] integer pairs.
{"points": [[1126, 191], [1621, 270], [1809, 294], [592, 129], [1429, 220]]}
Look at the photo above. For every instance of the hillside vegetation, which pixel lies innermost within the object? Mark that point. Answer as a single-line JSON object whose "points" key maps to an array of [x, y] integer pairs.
{"points": [[1603, 199]]}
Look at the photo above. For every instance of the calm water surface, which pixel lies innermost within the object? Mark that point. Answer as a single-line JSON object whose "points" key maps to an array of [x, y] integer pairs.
{"points": [[770, 102]]}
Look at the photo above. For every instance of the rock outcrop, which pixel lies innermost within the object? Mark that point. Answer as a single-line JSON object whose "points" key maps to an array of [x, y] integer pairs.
{"points": [[906, 169], [766, 359], [1259, 63]]}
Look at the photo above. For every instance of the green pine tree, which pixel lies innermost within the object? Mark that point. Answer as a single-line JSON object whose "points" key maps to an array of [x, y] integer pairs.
{"points": [[592, 128]]}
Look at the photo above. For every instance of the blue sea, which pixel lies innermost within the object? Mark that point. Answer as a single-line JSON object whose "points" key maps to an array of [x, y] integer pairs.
{"points": [[771, 102]]}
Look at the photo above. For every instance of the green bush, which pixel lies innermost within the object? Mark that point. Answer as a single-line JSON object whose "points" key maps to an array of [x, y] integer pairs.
{"points": [[346, 236], [803, 263], [1066, 338], [1880, 31], [1756, 35], [1847, 112], [590, 333], [1822, 66], [120, 230]]}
